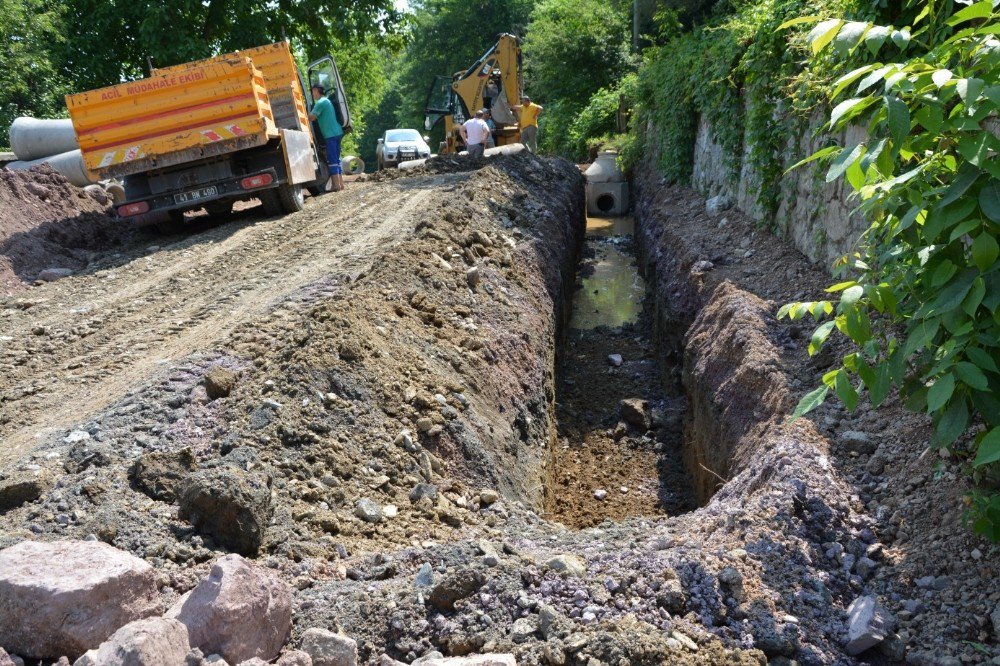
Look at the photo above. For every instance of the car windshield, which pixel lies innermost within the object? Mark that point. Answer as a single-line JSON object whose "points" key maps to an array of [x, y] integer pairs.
{"points": [[402, 135]]}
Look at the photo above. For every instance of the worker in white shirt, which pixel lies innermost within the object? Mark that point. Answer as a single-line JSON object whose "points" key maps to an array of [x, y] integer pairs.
{"points": [[474, 132]]}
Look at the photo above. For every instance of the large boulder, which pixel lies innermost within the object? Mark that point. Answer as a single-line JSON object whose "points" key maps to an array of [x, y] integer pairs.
{"points": [[155, 641], [65, 597], [329, 649], [230, 505], [240, 611], [635, 412]]}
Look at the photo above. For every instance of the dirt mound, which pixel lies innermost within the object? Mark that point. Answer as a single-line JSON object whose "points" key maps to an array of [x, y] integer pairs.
{"points": [[447, 164], [47, 223]]}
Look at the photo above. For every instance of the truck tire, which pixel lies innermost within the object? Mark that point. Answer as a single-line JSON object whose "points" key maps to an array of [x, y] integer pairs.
{"points": [[283, 200], [292, 198]]}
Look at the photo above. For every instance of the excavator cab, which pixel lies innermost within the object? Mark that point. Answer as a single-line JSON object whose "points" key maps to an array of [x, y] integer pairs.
{"points": [[493, 82]]}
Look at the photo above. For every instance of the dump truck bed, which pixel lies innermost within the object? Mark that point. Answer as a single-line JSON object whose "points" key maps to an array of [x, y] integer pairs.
{"points": [[173, 117], [281, 80]]}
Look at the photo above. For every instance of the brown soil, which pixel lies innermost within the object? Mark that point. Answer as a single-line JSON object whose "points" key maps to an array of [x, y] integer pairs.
{"points": [[47, 223]]}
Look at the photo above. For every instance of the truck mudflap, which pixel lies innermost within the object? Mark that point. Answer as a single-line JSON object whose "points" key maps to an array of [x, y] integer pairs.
{"points": [[300, 159], [229, 188]]}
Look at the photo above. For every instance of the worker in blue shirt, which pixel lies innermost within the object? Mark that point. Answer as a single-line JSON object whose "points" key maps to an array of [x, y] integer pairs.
{"points": [[326, 117]]}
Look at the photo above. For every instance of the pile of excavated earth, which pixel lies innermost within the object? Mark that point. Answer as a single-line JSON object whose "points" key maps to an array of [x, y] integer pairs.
{"points": [[49, 228], [333, 438]]}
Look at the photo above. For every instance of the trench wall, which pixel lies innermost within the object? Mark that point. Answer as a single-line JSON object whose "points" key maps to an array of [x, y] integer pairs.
{"points": [[815, 216]]}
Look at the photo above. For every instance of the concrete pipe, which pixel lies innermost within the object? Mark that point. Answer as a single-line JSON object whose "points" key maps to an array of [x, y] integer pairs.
{"points": [[33, 138], [69, 164], [352, 165]]}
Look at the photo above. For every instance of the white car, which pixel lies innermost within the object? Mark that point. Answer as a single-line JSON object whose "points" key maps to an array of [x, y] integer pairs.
{"points": [[400, 145]]}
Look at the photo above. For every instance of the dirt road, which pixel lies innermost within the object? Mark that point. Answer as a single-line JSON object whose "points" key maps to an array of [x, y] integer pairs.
{"points": [[70, 348]]}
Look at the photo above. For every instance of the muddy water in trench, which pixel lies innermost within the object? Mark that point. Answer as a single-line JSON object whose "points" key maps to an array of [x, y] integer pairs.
{"points": [[602, 467]]}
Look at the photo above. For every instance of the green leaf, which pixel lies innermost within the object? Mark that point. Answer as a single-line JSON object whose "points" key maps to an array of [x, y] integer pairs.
{"points": [[873, 78], [840, 286], [844, 160], [982, 359], [979, 10], [784, 310], [970, 89], [798, 21], [846, 392], [966, 177], [985, 250], [849, 78], [952, 295], [989, 199], [809, 402], [845, 108], [989, 448], [819, 336], [898, 119], [951, 424], [849, 36], [973, 299], [940, 392], [972, 376], [876, 380], [819, 154], [823, 34], [852, 294], [900, 38], [975, 148], [941, 77], [876, 37]]}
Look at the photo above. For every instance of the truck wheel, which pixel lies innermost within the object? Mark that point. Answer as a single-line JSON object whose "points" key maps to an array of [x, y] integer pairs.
{"points": [[292, 198], [282, 200]]}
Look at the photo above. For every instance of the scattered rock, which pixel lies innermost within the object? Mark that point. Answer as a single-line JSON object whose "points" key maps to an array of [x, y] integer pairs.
{"points": [[488, 497], [20, 487], [868, 624], [295, 658], [240, 611], [159, 474], [635, 412], [65, 597], [53, 274], [568, 564], [472, 277], [857, 442], [422, 490], [326, 648], [717, 204], [219, 382], [600, 493], [368, 510], [230, 505], [156, 641], [474, 660], [615, 360], [454, 587]]}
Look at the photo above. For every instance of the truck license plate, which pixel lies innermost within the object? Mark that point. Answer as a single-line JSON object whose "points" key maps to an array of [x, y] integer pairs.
{"points": [[195, 195]]}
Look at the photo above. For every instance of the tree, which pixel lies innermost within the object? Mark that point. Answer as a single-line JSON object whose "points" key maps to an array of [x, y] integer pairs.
{"points": [[30, 83], [112, 39], [447, 36], [573, 49]]}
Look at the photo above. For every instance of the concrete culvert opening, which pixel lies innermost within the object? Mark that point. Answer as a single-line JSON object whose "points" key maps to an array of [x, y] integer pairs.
{"points": [[606, 203]]}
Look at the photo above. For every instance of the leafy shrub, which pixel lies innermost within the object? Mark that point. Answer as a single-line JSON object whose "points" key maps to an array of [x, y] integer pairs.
{"points": [[923, 300], [598, 120]]}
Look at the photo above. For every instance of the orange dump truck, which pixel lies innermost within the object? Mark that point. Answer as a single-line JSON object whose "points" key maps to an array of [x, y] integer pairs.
{"points": [[208, 133]]}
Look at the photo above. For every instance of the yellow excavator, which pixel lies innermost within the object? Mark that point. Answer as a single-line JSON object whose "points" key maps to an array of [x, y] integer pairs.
{"points": [[494, 82]]}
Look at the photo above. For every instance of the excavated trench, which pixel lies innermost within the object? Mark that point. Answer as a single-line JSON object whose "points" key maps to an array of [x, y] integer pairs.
{"points": [[618, 450]]}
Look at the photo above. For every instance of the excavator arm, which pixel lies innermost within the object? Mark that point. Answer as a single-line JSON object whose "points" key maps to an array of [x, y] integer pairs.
{"points": [[494, 82]]}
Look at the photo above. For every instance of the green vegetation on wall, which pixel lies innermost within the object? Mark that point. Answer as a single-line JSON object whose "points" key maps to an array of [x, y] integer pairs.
{"points": [[921, 298]]}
